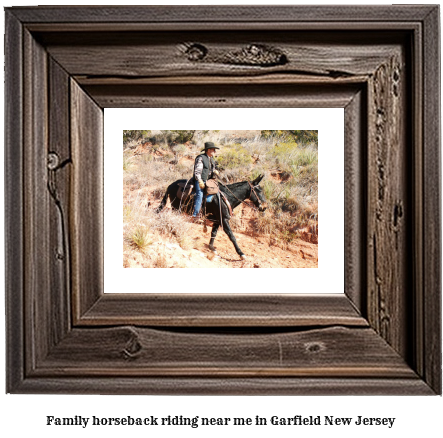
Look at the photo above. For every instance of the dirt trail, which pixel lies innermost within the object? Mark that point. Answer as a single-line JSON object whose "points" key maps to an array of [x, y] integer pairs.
{"points": [[260, 251]]}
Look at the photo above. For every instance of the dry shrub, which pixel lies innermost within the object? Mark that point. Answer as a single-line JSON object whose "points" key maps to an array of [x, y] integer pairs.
{"points": [[265, 223], [237, 174], [148, 173], [197, 244], [184, 241], [178, 150], [170, 223], [160, 261], [235, 223], [259, 148], [128, 160], [159, 192], [283, 228], [138, 219]]}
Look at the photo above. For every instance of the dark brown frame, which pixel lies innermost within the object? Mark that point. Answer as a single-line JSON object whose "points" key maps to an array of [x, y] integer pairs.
{"points": [[64, 65]]}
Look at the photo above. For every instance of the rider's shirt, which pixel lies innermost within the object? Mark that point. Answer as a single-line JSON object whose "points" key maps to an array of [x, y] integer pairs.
{"points": [[204, 167]]}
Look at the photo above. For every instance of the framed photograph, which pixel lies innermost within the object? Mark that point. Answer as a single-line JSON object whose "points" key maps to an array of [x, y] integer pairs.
{"points": [[302, 179], [261, 185], [375, 329]]}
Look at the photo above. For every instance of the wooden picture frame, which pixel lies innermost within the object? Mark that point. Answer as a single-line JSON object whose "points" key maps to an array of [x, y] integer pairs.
{"points": [[65, 64]]}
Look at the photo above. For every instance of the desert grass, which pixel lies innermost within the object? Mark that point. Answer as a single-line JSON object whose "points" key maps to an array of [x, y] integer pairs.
{"points": [[139, 237], [160, 261], [145, 172], [291, 189], [236, 223], [128, 160], [233, 156], [141, 225]]}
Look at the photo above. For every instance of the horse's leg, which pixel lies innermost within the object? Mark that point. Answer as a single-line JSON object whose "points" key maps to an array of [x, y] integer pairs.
{"points": [[231, 236], [163, 203], [213, 235]]}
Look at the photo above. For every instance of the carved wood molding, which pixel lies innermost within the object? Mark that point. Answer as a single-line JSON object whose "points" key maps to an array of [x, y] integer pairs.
{"points": [[64, 66]]}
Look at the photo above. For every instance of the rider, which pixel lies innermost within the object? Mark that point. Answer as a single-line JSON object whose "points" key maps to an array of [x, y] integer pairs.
{"points": [[205, 168]]}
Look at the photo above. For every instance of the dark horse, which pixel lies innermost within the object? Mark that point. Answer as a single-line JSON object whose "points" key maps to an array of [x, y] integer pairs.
{"points": [[235, 193]]}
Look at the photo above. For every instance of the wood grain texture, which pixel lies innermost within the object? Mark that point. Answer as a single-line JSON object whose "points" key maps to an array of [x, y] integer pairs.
{"points": [[355, 190], [226, 96], [244, 310], [431, 316], [388, 203], [247, 54], [14, 203], [232, 26], [223, 14], [288, 386], [37, 306], [223, 345], [265, 79], [86, 209], [59, 165], [129, 351], [417, 245]]}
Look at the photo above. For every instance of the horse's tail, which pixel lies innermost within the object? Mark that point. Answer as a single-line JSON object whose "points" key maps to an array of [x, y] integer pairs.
{"points": [[163, 203]]}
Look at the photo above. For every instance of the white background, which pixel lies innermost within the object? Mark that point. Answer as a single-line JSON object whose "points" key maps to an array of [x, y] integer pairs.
{"points": [[24, 415], [330, 124]]}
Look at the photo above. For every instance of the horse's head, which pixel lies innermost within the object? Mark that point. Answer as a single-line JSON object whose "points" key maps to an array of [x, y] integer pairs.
{"points": [[257, 196]]}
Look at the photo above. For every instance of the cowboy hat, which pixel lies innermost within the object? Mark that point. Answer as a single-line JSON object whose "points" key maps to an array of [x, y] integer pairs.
{"points": [[209, 145]]}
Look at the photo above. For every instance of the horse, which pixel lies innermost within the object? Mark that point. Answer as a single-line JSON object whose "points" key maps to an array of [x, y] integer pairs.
{"points": [[235, 193]]}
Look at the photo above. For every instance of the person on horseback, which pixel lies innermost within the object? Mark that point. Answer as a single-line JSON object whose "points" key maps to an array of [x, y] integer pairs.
{"points": [[205, 168]]}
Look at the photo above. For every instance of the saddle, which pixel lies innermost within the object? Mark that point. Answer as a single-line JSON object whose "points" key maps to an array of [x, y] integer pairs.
{"points": [[184, 190], [225, 198], [212, 187], [220, 195]]}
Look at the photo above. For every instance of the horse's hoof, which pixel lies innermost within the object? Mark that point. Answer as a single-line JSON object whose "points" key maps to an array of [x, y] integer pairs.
{"points": [[213, 250], [243, 257]]}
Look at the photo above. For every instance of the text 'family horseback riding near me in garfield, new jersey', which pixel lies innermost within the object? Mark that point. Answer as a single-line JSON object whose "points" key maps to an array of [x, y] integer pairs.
{"points": [[196, 421]]}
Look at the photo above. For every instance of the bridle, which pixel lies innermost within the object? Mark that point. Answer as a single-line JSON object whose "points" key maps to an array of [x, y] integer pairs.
{"points": [[253, 191], [249, 197]]}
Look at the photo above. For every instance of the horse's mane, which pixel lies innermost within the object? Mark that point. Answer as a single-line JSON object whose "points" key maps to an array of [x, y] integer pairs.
{"points": [[233, 185]]}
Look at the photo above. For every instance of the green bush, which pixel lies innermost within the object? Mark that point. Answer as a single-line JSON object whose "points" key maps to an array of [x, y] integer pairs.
{"points": [[285, 150], [302, 136], [173, 136], [303, 157], [134, 135], [300, 162], [181, 136], [234, 157], [305, 136], [276, 135], [271, 190]]}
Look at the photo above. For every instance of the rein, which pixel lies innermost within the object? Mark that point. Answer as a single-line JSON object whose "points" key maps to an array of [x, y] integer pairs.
{"points": [[181, 199], [252, 190], [249, 197]]}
